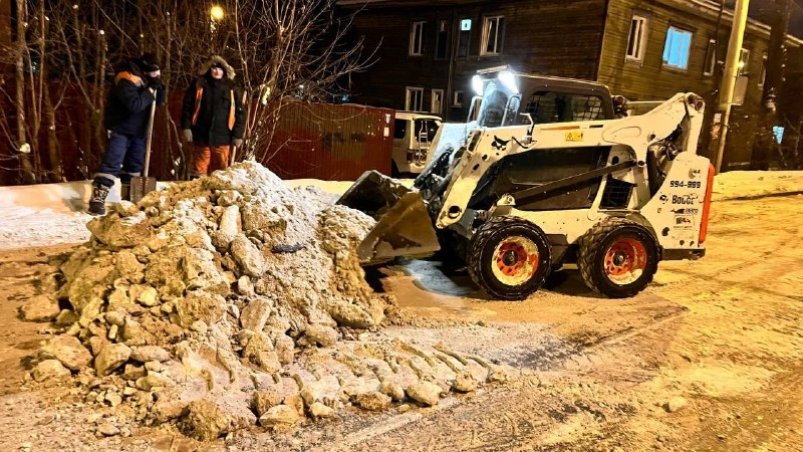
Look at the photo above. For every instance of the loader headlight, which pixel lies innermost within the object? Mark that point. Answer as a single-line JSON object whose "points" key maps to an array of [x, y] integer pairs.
{"points": [[477, 85], [508, 80]]}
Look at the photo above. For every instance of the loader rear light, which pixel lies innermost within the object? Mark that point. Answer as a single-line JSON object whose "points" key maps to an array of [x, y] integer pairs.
{"points": [[706, 205]]}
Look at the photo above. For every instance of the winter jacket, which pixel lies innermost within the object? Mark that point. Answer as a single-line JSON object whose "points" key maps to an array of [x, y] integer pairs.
{"points": [[129, 102], [213, 109]]}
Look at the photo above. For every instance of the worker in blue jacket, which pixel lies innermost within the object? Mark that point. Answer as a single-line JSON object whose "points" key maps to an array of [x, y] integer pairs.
{"points": [[136, 86]]}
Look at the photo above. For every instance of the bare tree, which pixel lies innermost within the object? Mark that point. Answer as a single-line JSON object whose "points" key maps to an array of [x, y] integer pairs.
{"points": [[64, 51], [285, 51]]}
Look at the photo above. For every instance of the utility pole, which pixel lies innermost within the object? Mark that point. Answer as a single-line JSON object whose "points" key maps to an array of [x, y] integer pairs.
{"points": [[729, 78]]}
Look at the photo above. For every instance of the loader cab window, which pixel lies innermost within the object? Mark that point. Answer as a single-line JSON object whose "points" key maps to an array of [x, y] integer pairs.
{"points": [[548, 106], [425, 129], [499, 107]]}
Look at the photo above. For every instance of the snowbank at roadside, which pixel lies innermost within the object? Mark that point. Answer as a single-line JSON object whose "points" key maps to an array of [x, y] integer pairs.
{"points": [[53, 214], [750, 184]]}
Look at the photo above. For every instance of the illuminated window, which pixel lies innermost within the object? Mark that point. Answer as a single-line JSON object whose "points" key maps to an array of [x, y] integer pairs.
{"points": [[676, 48]]}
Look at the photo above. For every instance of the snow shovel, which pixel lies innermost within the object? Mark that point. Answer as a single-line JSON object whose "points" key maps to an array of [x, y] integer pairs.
{"points": [[142, 185], [233, 155]]}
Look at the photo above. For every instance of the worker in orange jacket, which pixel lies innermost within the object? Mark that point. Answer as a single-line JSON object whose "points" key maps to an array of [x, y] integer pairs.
{"points": [[213, 118]]}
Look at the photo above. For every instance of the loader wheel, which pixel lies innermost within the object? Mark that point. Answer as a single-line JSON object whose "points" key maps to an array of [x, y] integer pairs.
{"points": [[617, 258], [509, 258]]}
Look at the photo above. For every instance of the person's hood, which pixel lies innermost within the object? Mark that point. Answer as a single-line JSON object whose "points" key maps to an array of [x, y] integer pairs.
{"points": [[217, 59]]}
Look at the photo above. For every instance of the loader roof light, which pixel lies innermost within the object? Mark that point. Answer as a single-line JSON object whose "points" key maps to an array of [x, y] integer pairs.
{"points": [[508, 79], [477, 85]]}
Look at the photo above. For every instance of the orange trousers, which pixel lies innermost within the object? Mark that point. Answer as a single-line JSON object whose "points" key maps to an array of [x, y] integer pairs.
{"points": [[209, 158]]}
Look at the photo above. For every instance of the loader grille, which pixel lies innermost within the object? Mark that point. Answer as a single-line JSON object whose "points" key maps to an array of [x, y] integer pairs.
{"points": [[616, 195]]}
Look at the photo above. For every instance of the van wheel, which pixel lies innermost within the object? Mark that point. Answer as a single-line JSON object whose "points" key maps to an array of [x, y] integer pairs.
{"points": [[509, 258], [617, 258], [394, 170]]}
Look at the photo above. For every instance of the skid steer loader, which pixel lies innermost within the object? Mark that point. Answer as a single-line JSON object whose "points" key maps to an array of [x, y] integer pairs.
{"points": [[542, 175]]}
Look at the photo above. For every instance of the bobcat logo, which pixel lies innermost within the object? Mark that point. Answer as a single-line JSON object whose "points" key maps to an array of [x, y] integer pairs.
{"points": [[499, 144]]}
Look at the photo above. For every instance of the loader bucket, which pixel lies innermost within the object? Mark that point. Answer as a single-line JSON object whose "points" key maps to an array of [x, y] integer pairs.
{"points": [[403, 226], [373, 194]]}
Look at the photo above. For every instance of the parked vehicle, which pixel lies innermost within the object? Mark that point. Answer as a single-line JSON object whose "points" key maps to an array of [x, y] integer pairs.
{"points": [[413, 134]]}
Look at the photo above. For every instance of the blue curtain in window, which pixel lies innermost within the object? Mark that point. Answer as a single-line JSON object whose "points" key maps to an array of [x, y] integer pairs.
{"points": [[676, 49]]}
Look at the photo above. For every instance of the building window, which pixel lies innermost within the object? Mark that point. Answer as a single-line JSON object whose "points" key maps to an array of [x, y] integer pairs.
{"points": [[442, 40], [676, 48], [417, 38], [710, 58], [436, 101], [492, 33], [763, 77], [414, 99], [637, 38], [464, 37], [458, 99], [744, 61]]}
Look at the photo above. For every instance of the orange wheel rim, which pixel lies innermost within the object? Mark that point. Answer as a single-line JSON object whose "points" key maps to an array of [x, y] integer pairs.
{"points": [[515, 260], [625, 261]]}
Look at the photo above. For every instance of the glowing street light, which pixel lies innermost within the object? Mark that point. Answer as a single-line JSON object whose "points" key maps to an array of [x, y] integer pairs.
{"points": [[216, 13]]}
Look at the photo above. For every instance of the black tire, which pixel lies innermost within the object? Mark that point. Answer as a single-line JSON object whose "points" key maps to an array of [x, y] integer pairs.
{"points": [[394, 170], [486, 266], [633, 258]]}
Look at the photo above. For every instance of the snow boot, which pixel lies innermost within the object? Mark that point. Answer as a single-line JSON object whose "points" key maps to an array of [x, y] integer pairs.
{"points": [[97, 203]]}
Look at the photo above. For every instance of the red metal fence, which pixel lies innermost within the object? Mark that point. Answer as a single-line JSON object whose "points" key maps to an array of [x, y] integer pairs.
{"points": [[324, 141], [331, 142]]}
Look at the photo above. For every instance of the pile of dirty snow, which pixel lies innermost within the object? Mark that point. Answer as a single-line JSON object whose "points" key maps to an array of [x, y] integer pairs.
{"points": [[233, 300]]}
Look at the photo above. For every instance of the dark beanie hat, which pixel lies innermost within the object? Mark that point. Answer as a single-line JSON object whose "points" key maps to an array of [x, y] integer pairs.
{"points": [[147, 62]]}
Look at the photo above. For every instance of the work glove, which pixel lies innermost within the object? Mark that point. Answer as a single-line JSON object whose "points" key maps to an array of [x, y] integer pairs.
{"points": [[187, 135], [237, 142], [155, 83]]}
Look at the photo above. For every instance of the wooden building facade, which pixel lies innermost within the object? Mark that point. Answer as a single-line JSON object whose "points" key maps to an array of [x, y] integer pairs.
{"points": [[644, 50]]}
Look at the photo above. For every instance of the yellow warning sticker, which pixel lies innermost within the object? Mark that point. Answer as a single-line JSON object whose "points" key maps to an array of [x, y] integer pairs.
{"points": [[574, 135]]}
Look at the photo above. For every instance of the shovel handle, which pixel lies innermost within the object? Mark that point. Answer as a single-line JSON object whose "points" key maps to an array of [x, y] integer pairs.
{"points": [[149, 137]]}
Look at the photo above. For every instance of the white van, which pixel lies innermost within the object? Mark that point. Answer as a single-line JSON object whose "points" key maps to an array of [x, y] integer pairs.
{"points": [[413, 133]]}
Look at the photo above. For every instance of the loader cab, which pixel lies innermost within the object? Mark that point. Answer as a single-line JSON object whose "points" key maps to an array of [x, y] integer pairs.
{"points": [[508, 98], [412, 137]]}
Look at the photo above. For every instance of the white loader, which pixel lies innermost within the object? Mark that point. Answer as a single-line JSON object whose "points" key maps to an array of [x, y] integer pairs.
{"points": [[548, 175]]}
